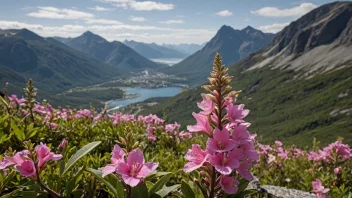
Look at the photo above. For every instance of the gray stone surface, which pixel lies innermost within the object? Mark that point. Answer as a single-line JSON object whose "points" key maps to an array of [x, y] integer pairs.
{"points": [[279, 192]]}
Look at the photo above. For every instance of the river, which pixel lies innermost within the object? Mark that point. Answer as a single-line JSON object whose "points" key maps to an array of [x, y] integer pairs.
{"points": [[168, 61], [144, 94]]}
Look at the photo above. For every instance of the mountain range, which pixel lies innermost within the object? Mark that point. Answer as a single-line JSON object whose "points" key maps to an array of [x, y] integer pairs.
{"points": [[185, 47], [154, 51], [52, 65], [113, 53], [297, 88], [230, 43]]}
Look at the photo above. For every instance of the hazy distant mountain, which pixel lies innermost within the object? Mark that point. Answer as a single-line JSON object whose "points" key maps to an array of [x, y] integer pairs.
{"points": [[185, 48], [298, 88], [230, 43], [52, 65], [113, 53], [62, 39], [154, 51]]}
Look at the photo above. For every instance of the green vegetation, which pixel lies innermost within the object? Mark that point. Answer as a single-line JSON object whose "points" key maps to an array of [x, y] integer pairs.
{"points": [[293, 110]]}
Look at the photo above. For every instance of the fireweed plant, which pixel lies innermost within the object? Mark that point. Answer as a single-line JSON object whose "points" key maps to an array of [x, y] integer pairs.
{"points": [[224, 164]]}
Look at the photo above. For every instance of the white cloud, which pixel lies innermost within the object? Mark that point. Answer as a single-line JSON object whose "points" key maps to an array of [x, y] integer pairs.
{"points": [[172, 22], [274, 28], [289, 12], [98, 8], [138, 19], [103, 21], [141, 5], [150, 5], [120, 32], [180, 16], [56, 13], [224, 13]]}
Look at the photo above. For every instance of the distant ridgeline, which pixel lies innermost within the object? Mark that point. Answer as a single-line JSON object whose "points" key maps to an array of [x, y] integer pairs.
{"points": [[298, 88], [231, 44], [58, 66]]}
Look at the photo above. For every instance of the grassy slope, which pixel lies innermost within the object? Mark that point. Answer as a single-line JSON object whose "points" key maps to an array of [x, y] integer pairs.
{"points": [[294, 111]]}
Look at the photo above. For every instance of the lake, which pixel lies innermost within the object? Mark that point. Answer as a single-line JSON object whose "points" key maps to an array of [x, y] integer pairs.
{"points": [[144, 94], [168, 61]]}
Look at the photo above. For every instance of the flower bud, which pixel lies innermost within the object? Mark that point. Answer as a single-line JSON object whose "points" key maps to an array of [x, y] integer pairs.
{"points": [[62, 145]]}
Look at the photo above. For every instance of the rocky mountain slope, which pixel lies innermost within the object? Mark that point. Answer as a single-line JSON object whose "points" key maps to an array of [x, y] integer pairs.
{"points": [[113, 53], [320, 41], [295, 90], [230, 43]]}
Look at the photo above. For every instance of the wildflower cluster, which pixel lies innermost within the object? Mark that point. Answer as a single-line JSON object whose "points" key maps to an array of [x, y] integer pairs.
{"points": [[307, 170], [230, 150]]}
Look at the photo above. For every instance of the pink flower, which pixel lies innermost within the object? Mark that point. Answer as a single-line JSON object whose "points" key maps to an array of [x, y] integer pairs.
{"points": [[271, 158], [236, 113], [240, 133], [44, 154], [278, 143], [62, 145], [14, 101], [118, 156], [224, 163], [206, 105], [243, 169], [202, 125], [337, 170], [53, 125], [196, 157], [18, 158], [171, 127], [221, 141], [229, 184], [185, 135], [135, 169], [318, 187], [26, 168], [248, 149], [151, 138]]}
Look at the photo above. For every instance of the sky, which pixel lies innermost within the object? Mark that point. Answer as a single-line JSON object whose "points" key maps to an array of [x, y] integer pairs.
{"points": [[159, 21]]}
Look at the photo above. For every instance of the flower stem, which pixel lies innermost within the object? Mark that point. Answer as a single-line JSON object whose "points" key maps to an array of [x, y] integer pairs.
{"points": [[212, 184], [51, 192]]}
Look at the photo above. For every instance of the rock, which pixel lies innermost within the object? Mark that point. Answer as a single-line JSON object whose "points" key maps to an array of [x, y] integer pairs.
{"points": [[277, 191]]}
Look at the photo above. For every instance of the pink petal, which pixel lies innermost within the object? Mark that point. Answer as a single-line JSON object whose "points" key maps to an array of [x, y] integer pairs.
{"points": [[135, 156], [108, 169], [131, 181]]}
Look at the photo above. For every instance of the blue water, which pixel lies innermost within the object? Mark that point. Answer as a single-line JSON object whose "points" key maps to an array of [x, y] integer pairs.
{"points": [[145, 94], [168, 61]]}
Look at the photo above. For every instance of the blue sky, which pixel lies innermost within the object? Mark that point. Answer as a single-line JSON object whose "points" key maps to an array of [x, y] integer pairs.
{"points": [[160, 21]]}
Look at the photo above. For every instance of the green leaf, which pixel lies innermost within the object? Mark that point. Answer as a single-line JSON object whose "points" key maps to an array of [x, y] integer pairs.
{"points": [[11, 194], [79, 154], [159, 184], [72, 184], [18, 133], [8, 178], [166, 190], [243, 193], [140, 191], [187, 190], [98, 174]]}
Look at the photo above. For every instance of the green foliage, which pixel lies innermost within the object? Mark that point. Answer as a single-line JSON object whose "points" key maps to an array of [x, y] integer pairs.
{"points": [[283, 107]]}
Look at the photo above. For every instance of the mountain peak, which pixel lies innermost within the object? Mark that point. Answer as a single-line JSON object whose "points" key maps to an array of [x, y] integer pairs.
{"points": [[89, 33], [28, 35], [225, 28], [248, 28]]}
